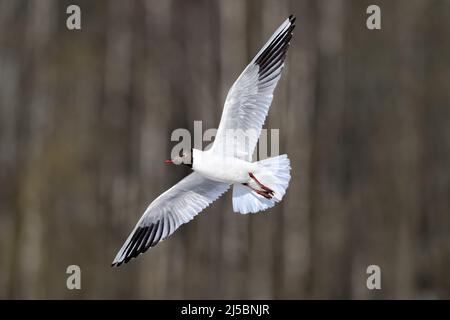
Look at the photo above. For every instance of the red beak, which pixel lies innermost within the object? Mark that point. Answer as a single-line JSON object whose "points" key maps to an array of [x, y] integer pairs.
{"points": [[168, 161]]}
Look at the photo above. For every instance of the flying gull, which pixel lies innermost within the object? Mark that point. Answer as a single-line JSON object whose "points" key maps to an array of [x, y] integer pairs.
{"points": [[257, 185]]}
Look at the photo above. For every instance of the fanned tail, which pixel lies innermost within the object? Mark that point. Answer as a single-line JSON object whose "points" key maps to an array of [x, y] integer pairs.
{"points": [[273, 173]]}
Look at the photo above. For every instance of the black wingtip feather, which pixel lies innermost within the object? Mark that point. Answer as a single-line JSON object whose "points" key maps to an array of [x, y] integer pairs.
{"points": [[142, 239], [274, 55], [292, 18]]}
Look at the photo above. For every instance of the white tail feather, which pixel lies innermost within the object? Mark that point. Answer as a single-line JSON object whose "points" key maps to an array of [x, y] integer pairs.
{"points": [[273, 173]]}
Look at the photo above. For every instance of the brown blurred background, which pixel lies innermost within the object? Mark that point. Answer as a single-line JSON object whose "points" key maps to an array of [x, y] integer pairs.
{"points": [[86, 118]]}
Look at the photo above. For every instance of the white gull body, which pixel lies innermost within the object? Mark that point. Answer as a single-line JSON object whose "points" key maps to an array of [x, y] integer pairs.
{"points": [[220, 168], [257, 186]]}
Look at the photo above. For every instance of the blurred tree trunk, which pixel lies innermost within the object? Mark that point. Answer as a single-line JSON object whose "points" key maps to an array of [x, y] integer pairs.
{"points": [[433, 236], [328, 169]]}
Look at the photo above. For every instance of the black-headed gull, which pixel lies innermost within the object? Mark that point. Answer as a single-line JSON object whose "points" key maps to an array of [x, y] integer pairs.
{"points": [[256, 185]]}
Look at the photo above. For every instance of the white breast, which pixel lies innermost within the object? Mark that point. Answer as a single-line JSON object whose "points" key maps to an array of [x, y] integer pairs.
{"points": [[220, 168]]}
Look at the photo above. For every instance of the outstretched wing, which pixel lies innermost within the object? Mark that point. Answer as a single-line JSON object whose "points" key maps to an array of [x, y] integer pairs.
{"points": [[165, 214], [249, 99]]}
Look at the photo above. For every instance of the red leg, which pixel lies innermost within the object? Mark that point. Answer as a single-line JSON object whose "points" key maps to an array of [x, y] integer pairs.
{"points": [[260, 184], [264, 193]]}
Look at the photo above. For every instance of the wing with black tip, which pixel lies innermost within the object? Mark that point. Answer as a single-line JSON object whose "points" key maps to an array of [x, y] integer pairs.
{"points": [[249, 99], [176, 206]]}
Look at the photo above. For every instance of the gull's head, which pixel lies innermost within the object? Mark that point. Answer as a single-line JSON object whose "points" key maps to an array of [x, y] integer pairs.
{"points": [[183, 158]]}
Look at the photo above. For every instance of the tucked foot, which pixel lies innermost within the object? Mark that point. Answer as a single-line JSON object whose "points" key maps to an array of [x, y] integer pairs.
{"points": [[265, 188], [266, 194]]}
